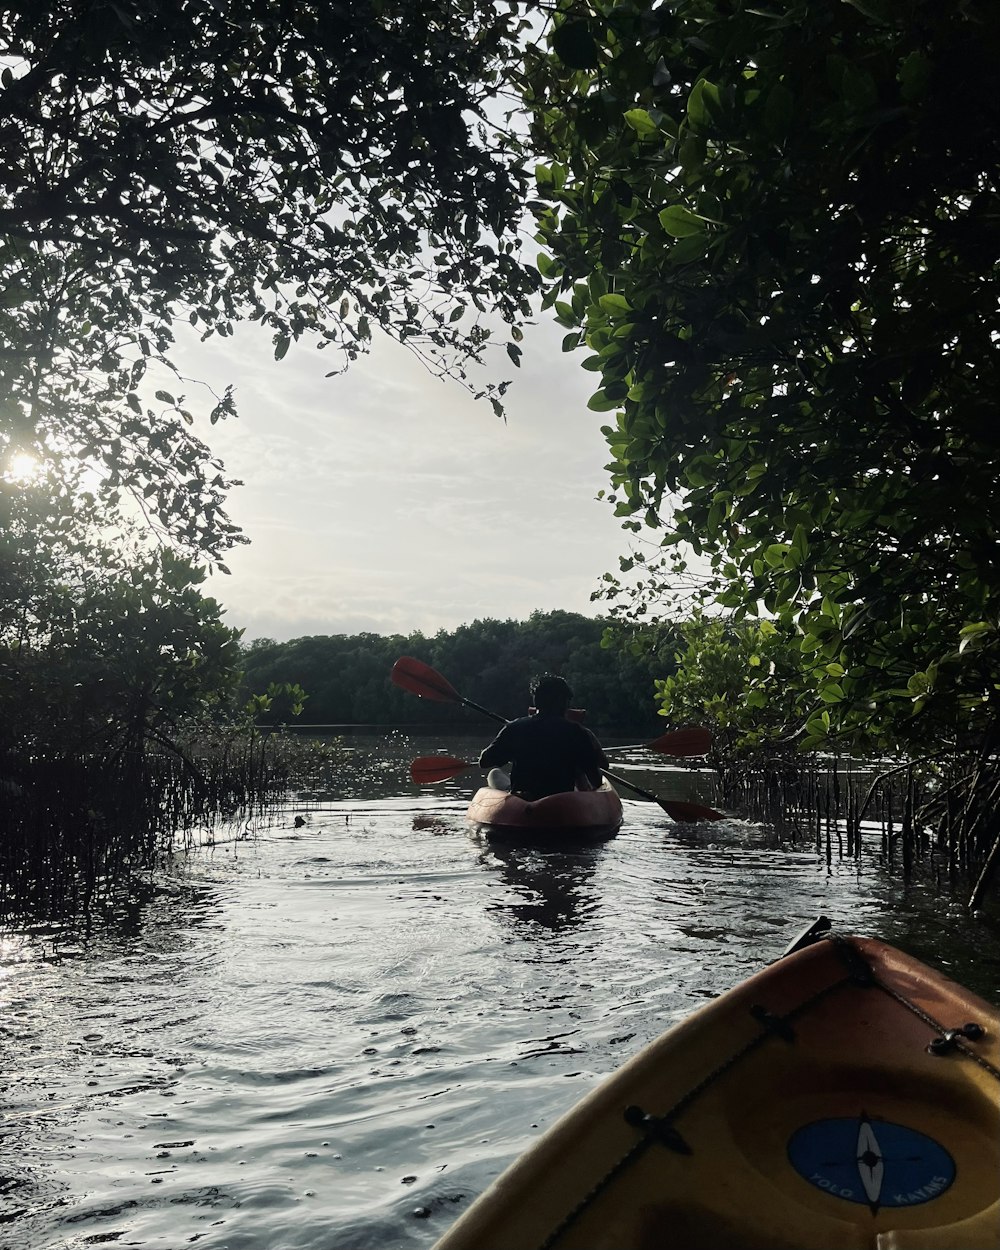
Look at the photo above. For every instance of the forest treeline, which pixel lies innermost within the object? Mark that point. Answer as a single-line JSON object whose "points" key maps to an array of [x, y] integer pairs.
{"points": [[345, 677]]}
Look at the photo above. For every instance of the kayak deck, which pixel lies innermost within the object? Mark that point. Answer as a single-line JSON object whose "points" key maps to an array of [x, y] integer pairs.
{"points": [[827, 1103], [573, 814]]}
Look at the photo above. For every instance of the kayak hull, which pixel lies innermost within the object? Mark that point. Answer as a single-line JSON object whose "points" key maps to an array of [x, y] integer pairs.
{"points": [[802, 1110], [571, 816]]}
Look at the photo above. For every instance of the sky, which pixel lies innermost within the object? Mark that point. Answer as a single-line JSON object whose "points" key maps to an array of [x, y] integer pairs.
{"points": [[388, 500]]}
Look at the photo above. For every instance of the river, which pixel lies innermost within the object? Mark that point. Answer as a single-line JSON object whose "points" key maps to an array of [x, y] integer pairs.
{"points": [[334, 1033]]}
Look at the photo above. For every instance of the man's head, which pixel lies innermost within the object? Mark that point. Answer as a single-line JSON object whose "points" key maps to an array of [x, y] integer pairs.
{"points": [[551, 694]]}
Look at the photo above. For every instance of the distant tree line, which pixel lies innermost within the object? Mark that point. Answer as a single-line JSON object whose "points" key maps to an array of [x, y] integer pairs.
{"points": [[346, 676]]}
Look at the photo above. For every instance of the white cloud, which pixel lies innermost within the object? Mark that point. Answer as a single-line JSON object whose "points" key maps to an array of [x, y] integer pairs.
{"points": [[388, 500]]}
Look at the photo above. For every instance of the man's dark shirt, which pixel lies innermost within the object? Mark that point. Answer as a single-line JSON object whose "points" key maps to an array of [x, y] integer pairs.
{"points": [[546, 752]]}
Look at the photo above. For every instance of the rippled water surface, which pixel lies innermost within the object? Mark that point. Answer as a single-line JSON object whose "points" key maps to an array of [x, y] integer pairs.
{"points": [[335, 1035]]}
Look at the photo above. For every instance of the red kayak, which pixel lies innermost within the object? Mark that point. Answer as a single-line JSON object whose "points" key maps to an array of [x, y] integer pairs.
{"points": [[573, 815]]}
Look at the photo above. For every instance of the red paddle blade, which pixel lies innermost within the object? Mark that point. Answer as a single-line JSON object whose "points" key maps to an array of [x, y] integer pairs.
{"points": [[420, 679], [680, 809], [427, 769], [683, 742]]}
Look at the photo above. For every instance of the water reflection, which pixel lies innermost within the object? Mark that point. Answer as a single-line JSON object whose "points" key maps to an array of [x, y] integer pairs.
{"points": [[302, 1041], [556, 885], [435, 823]]}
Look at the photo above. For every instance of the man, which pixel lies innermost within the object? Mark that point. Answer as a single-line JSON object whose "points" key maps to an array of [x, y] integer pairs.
{"points": [[548, 754]]}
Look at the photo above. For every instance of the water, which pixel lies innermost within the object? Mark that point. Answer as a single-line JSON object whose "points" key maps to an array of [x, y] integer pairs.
{"points": [[333, 1037]]}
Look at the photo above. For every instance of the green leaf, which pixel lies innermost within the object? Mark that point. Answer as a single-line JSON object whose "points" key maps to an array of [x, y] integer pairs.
{"points": [[779, 110], [879, 11], [574, 45], [598, 284], [914, 75], [974, 629], [686, 250], [281, 345], [704, 103], [165, 397], [614, 304], [599, 402], [691, 155], [680, 221], [775, 554], [642, 123]]}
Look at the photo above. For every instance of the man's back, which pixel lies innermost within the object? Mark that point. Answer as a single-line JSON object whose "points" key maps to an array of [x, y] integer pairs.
{"points": [[547, 754]]}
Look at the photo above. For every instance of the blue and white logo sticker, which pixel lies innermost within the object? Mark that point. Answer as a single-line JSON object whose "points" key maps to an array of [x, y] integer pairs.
{"points": [[871, 1161]]}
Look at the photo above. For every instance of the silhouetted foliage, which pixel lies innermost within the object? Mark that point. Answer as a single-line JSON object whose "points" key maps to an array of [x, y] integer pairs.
{"points": [[774, 229], [346, 677], [326, 170]]}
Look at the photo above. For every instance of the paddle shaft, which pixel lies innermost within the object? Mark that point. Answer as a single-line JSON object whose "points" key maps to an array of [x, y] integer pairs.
{"points": [[426, 682], [681, 742], [681, 811], [429, 769], [629, 785], [484, 710]]}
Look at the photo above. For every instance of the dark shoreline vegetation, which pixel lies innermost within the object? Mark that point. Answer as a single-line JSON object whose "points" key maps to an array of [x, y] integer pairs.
{"points": [[80, 832], [910, 819], [346, 676], [123, 754], [81, 826]]}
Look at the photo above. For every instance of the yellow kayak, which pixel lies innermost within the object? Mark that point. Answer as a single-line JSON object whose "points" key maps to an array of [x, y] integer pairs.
{"points": [[847, 1097]]}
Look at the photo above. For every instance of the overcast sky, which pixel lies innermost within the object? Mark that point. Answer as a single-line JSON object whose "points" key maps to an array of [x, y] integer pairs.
{"points": [[387, 500]]}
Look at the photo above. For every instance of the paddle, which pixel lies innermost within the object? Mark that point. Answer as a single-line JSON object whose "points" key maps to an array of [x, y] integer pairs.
{"points": [[427, 683], [677, 809], [683, 742], [422, 680], [428, 769]]}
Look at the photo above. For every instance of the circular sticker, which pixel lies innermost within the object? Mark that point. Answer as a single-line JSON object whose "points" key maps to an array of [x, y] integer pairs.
{"points": [[871, 1161]]}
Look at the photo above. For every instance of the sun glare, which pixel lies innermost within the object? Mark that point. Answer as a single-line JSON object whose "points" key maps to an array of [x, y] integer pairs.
{"points": [[23, 467]]}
